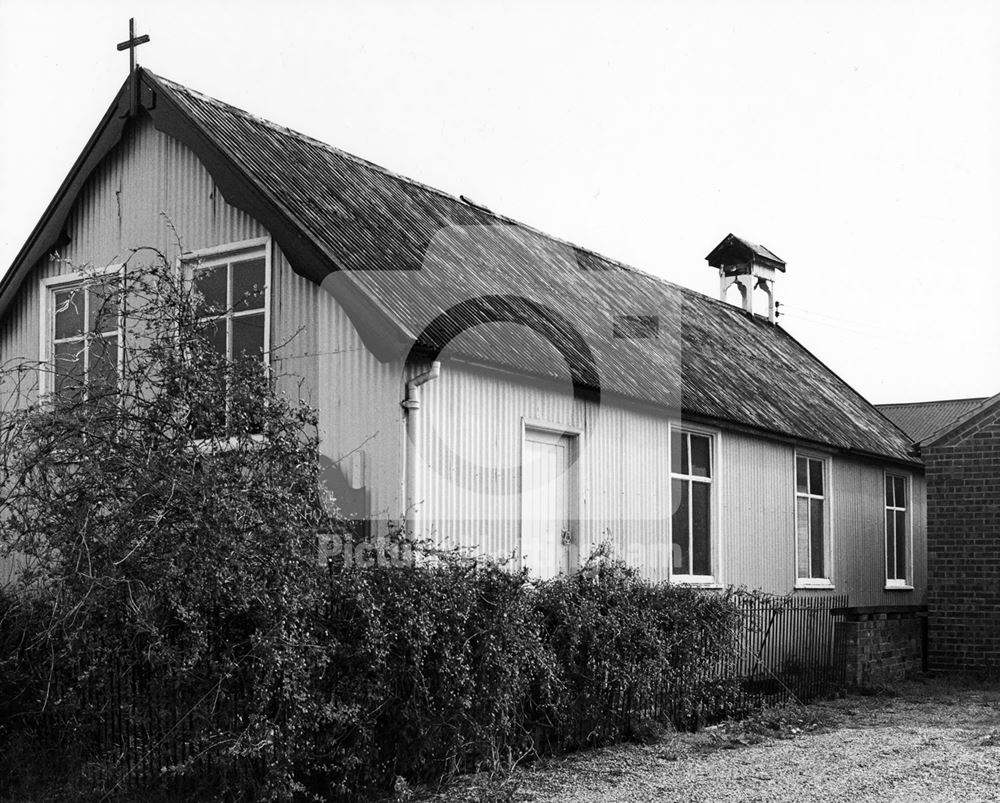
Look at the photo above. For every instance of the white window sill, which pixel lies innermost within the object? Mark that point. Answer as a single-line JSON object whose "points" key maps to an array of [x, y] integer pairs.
{"points": [[212, 445], [699, 582], [814, 585], [901, 587]]}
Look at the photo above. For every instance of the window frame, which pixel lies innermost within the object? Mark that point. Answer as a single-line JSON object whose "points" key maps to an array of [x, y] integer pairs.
{"points": [[896, 584], [225, 254], [713, 481], [826, 582], [51, 285]]}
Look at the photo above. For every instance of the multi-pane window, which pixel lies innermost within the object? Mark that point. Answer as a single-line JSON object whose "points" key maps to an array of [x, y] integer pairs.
{"points": [[232, 304], [691, 497], [810, 518], [896, 549], [83, 338], [231, 287]]}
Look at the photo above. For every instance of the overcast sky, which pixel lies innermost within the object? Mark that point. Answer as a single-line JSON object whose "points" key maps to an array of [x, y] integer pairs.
{"points": [[858, 141]]}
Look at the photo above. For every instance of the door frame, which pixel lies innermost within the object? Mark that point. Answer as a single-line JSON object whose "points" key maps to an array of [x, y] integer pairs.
{"points": [[573, 435]]}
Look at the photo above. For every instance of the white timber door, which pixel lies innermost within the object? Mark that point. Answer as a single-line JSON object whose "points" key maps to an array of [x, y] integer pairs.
{"points": [[548, 540]]}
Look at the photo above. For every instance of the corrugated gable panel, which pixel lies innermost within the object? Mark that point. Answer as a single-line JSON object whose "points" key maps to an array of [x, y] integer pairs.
{"points": [[146, 183], [148, 192], [295, 330], [151, 190]]}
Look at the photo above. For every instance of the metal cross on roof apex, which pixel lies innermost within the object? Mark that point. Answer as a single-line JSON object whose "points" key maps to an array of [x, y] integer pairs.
{"points": [[132, 43]]}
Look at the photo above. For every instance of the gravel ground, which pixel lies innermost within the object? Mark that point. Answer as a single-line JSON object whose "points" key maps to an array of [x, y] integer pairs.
{"points": [[922, 742]]}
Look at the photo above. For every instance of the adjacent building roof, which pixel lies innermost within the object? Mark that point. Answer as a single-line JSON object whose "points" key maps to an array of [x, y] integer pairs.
{"points": [[965, 423], [920, 420], [413, 265]]}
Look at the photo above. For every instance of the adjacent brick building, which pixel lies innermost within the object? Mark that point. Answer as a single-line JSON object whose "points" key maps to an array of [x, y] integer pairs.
{"points": [[963, 541]]}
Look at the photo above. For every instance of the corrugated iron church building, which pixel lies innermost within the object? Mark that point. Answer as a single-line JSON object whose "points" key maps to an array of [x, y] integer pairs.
{"points": [[492, 385]]}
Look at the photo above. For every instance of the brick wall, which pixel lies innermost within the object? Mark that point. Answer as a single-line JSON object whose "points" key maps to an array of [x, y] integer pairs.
{"points": [[963, 546], [880, 648]]}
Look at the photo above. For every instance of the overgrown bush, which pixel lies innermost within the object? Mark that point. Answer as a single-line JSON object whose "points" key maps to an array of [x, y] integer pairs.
{"points": [[432, 670], [452, 665], [457, 665], [625, 646], [171, 627], [164, 519]]}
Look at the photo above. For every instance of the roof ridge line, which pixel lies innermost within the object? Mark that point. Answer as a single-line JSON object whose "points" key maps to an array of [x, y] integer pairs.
{"points": [[970, 399]]}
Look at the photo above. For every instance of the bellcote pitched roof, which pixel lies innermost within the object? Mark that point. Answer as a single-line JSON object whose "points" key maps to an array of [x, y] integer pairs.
{"points": [[735, 249], [398, 254]]}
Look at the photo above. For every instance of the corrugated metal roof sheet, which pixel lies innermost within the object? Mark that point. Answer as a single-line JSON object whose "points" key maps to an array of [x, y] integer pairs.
{"points": [[409, 248], [920, 420], [407, 252]]}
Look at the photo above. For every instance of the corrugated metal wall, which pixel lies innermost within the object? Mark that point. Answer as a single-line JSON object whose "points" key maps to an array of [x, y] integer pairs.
{"points": [[474, 432], [18, 343], [358, 399], [474, 419], [474, 422], [859, 533], [758, 519]]}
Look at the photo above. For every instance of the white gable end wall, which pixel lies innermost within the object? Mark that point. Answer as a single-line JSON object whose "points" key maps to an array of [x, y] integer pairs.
{"points": [[151, 186], [146, 181]]}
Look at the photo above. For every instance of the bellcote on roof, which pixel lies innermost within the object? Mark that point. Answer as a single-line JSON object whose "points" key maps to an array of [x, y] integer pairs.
{"points": [[734, 255]]}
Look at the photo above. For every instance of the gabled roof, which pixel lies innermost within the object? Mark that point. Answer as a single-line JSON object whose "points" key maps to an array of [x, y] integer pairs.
{"points": [[398, 254], [984, 408], [919, 420]]}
